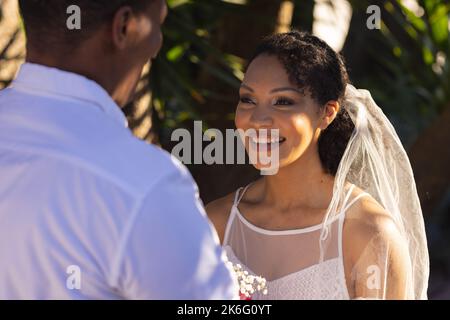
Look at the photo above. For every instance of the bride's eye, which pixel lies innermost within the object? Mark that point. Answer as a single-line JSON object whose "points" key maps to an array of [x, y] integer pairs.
{"points": [[246, 100], [284, 102]]}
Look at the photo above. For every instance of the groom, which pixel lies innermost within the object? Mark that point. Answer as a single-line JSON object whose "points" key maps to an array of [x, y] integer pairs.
{"points": [[87, 211]]}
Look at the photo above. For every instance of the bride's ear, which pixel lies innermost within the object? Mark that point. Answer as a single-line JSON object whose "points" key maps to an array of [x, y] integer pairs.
{"points": [[329, 113]]}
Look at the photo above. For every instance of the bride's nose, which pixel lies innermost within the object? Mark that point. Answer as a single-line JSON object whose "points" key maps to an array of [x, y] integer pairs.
{"points": [[261, 118]]}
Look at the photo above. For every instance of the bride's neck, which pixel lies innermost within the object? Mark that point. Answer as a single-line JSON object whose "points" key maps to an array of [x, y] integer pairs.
{"points": [[303, 183]]}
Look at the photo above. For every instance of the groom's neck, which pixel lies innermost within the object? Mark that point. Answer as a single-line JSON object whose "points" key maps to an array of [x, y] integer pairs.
{"points": [[89, 66]]}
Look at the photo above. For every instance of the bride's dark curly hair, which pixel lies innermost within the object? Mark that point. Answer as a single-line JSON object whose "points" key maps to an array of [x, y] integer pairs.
{"points": [[313, 65]]}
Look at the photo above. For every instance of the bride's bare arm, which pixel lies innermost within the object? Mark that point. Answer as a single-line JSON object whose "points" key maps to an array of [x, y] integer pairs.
{"points": [[375, 254]]}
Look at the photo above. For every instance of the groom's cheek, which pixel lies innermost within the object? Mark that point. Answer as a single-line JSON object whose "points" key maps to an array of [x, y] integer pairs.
{"points": [[158, 44], [153, 41], [150, 46], [151, 28]]}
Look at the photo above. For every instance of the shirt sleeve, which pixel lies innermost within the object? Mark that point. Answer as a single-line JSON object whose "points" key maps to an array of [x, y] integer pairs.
{"points": [[172, 251]]}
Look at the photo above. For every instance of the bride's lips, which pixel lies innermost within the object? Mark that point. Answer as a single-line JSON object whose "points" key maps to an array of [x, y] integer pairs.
{"points": [[258, 142]]}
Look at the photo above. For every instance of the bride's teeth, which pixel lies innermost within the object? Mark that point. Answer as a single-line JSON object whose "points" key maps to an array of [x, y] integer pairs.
{"points": [[265, 140]]}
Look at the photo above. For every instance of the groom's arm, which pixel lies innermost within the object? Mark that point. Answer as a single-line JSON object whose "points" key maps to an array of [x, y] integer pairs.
{"points": [[171, 250]]}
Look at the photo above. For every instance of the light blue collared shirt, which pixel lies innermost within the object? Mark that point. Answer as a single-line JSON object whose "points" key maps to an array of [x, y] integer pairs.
{"points": [[88, 211]]}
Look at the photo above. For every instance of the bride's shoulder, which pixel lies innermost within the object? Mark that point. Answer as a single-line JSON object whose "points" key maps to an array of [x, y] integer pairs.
{"points": [[371, 239], [219, 211], [367, 222], [367, 213]]}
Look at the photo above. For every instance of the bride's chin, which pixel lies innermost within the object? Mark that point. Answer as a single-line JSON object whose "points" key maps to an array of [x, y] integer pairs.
{"points": [[263, 166]]}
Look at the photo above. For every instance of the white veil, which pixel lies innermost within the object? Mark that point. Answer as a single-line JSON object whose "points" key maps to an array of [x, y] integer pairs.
{"points": [[376, 162]]}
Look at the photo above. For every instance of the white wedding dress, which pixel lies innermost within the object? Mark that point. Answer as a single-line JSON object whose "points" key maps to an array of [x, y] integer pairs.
{"points": [[288, 259]]}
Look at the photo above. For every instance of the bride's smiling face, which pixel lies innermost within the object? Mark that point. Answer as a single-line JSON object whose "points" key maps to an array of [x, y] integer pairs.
{"points": [[269, 100]]}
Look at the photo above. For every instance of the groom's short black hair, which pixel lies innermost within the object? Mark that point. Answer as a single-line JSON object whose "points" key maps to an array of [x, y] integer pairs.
{"points": [[45, 21]]}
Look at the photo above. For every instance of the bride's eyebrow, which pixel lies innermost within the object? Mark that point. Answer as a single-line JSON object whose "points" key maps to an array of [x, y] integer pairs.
{"points": [[287, 89], [244, 86]]}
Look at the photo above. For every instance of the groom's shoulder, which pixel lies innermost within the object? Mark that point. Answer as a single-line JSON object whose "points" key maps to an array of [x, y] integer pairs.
{"points": [[79, 137], [139, 164]]}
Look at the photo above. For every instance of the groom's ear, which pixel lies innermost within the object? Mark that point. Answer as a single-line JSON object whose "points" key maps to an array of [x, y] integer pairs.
{"points": [[122, 27]]}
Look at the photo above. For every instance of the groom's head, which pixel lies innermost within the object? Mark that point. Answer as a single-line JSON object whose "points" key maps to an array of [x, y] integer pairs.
{"points": [[108, 41]]}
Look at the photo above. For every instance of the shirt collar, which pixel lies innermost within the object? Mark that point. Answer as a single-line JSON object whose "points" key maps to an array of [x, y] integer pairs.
{"points": [[46, 80]]}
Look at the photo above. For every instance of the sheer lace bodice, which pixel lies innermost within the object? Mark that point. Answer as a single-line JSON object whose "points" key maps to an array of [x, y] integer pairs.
{"points": [[288, 259]]}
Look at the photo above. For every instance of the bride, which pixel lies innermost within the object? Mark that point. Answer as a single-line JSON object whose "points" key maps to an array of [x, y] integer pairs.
{"points": [[341, 218]]}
